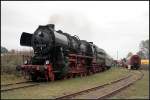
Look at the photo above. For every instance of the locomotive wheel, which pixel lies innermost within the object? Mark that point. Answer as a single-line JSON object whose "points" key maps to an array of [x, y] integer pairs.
{"points": [[65, 77], [33, 77], [90, 72], [58, 76], [103, 69], [81, 75], [109, 67], [75, 75], [52, 77], [137, 67], [70, 75], [132, 67], [85, 74]]}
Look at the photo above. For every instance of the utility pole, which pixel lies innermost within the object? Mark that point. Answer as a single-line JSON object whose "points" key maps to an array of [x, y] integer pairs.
{"points": [[117, 54], [117, 58]]}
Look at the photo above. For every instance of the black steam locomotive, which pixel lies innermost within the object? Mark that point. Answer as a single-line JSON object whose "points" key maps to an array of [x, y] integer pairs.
{"points": [[59, 55]]}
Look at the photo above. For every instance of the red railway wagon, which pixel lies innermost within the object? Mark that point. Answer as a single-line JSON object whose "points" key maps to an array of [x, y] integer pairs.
{"points": [[134, 62]]}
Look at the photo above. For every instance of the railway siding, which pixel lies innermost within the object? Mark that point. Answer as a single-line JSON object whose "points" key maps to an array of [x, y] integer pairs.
{"points": [[9, 87], [139, 90], [105, 90]]}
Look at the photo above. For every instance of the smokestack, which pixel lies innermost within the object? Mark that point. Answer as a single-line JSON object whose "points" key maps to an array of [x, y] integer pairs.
{"points": [[51, 26], [25, 39], [91, 42]]}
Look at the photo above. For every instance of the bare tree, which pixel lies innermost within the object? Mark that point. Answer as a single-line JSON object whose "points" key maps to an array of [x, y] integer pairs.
{"points": [[129, 54], [144, 49]]}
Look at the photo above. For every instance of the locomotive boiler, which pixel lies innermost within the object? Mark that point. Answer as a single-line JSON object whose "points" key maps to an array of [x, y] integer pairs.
{"points": [[59, 55]]}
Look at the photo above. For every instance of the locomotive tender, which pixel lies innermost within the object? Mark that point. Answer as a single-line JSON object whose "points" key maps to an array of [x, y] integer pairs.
{"points": [[59, 55]]}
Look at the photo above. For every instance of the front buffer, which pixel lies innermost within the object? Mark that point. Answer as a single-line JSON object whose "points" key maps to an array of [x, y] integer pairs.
{"points": [[38, 72]]}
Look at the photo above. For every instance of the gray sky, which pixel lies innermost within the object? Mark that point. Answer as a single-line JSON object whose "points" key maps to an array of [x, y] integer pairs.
{"points": [[111, 25]]}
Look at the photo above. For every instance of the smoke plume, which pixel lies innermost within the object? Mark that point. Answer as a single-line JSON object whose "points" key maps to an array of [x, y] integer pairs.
{"points": [[73, 23]]}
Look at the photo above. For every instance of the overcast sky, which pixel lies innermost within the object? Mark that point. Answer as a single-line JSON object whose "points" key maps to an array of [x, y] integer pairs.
{"points": [[111, 25]]}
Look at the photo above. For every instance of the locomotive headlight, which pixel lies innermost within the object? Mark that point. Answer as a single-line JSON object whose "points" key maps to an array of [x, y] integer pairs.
{"points": [[25, 62], [47, 62]]}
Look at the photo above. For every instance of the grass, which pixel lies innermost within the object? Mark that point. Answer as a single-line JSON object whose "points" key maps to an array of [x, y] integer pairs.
{"points": [[9, 63], [51, 90], [10, 78], [139, 90]]}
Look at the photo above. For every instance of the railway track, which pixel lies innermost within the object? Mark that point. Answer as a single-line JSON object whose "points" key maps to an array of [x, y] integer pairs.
{"points": [[14, 83], [106, 90], [18, 85]]}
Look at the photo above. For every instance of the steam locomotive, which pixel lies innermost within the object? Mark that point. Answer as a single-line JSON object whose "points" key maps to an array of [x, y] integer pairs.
{"points": [[58, 55]]}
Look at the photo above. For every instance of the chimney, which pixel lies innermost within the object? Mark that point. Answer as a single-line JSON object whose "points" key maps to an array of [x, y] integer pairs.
{"points": [[91, 42], [51, 26]]}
